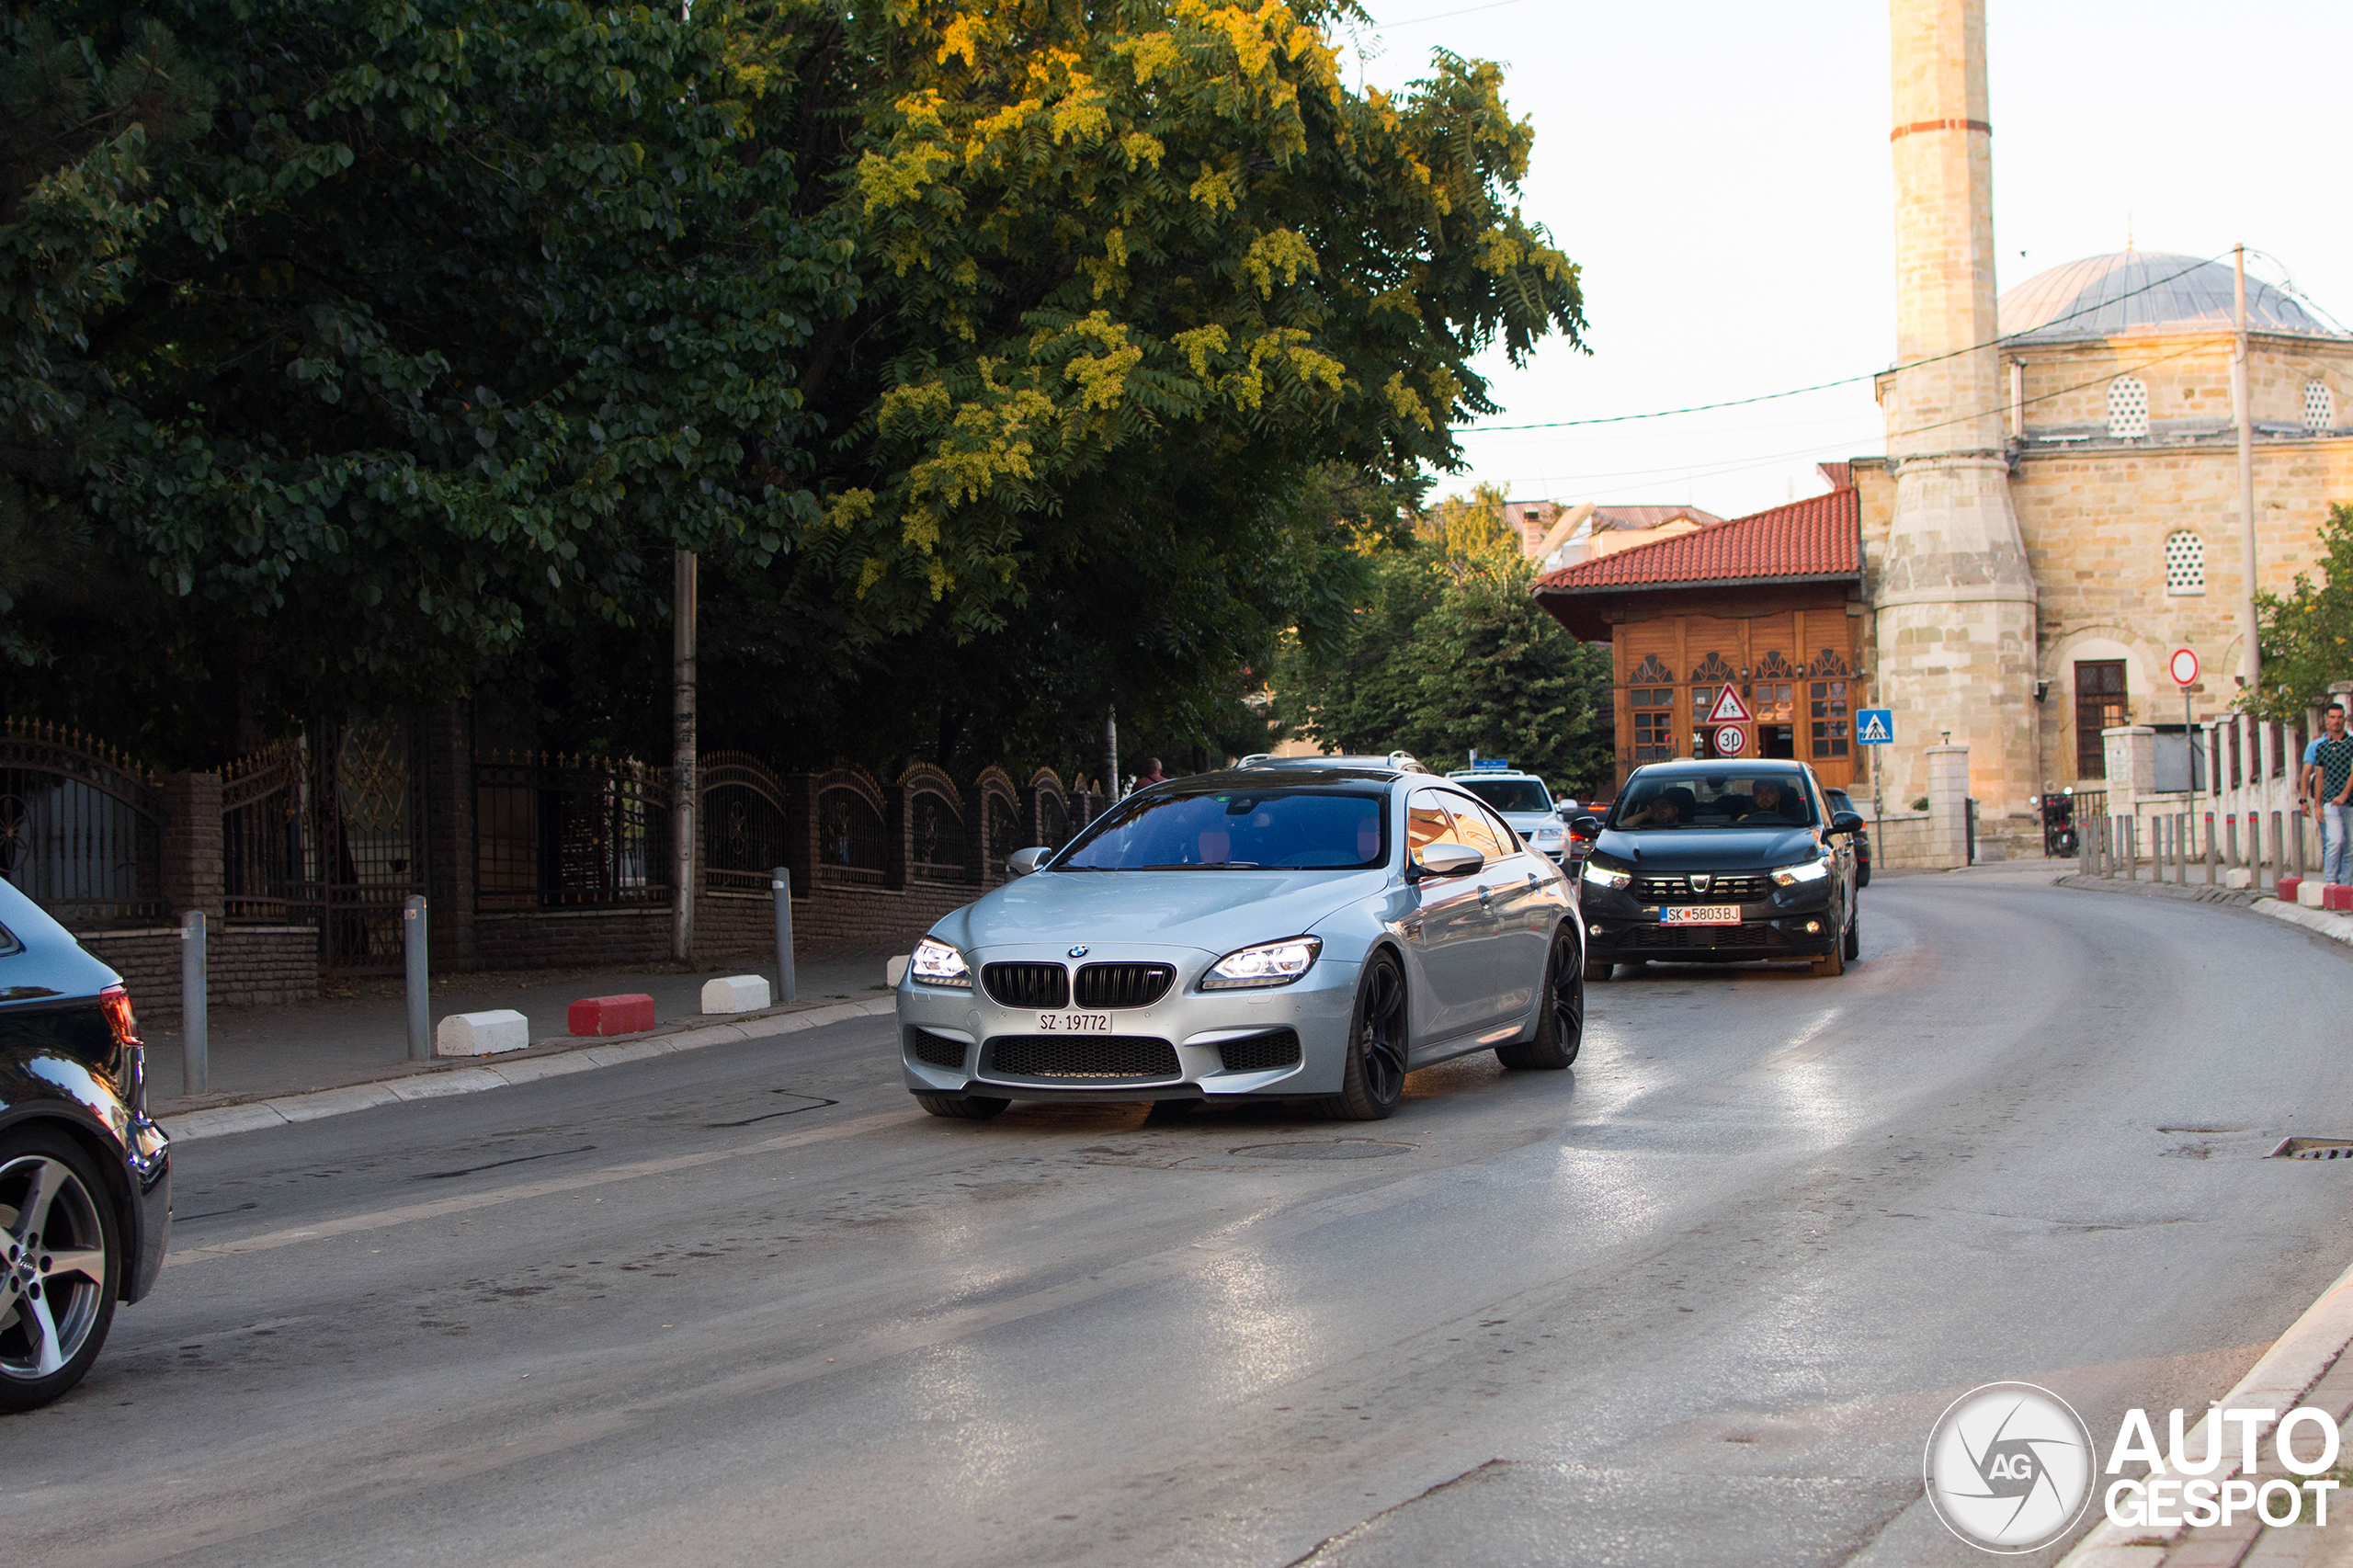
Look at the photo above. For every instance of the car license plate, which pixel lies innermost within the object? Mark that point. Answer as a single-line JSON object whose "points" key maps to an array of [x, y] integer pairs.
{"points": [[1074, 1023], [1701, 914]]}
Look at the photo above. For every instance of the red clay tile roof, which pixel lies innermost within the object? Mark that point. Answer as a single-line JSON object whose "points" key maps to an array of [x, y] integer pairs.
{"points": [[1809, 540]]}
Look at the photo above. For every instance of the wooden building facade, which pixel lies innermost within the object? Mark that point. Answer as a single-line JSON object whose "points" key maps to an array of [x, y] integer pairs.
{"points": [[1770, 604]]}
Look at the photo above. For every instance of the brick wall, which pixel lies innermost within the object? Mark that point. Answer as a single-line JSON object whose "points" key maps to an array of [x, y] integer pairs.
{"points": [[744, 924], [573, 938], [247, 966]]}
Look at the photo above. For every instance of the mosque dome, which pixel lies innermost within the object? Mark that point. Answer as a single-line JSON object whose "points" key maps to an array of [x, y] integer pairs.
{"points": [[2144, 292]]}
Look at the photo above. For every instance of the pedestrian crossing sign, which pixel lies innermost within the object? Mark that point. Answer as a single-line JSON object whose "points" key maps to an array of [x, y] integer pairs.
{"points": [[1730, 708], [1874, 726]]}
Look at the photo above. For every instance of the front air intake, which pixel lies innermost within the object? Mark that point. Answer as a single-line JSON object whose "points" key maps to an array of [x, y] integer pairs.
{"points": [[1081, 1056]]}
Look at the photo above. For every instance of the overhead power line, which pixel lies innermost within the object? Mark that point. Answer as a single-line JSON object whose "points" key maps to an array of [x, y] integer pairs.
{"points": [[1716, 470], [1843, 381]]}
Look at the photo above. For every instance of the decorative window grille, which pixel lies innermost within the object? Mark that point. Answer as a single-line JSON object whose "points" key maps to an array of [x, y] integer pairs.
{"points": [[2128, 408], [1654, 708], [1830, 718], [2185, 562], [2320, 409]]}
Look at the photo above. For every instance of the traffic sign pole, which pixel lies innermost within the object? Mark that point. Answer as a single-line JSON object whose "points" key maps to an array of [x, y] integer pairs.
{"points": [[2183, 666]]}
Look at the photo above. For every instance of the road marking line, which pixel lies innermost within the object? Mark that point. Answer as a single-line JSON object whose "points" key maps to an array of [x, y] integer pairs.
{"points": [[382, 1218]]}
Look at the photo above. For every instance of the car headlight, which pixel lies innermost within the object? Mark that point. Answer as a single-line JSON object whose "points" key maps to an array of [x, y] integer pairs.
{"points": [[937, 963], [1268, 963], [1605, 876], [1803, 871], [1544, 835]]}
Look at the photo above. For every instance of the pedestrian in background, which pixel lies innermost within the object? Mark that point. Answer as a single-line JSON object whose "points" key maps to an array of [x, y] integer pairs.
{"points": [[2308, 773], [1151, 774], [2331, 756]]}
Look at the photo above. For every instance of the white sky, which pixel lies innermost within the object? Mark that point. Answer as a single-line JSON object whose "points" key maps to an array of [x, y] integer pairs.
{"points": [[1721, 171]]}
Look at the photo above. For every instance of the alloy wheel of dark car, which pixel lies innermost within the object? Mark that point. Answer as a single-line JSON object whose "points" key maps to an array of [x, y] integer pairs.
{"points": [[1560, 1029], [59, 1259], [1373, 1081]]}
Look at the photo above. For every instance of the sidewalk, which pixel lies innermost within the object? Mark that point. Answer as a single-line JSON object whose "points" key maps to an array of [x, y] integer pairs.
{"points": [[358, 1032]]}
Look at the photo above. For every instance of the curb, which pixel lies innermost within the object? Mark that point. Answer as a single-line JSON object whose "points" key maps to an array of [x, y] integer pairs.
{"points": [[2286, 1372], [221, 1121], [2320, 923]]}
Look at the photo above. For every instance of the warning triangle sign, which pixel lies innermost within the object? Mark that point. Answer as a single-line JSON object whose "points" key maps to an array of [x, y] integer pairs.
{"points": [[1730, 708], [1874, 731]]}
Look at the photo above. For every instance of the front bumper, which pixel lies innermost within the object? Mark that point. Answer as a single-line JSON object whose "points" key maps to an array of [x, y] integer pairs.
{"points": [[1620, 929], [1190, 1044]]}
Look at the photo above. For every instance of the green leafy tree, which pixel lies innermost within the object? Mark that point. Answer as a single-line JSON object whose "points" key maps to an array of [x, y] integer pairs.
{"points": [[2307, 633], [1451, 652], [990, 355]]}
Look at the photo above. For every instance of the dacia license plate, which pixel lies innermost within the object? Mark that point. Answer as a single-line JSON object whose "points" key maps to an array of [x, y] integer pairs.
{"points": [[1701, 914], [1074, 1023]]}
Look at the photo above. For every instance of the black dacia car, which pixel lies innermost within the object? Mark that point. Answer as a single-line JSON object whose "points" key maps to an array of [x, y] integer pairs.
{"points": [[1721, 862], [85, 1194]]}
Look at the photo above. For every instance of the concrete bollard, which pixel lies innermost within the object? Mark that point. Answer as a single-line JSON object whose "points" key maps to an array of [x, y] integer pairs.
{"points": [[482, 1034], [196, 1022], [735, 993], [2308, 890], [630, 1013]]}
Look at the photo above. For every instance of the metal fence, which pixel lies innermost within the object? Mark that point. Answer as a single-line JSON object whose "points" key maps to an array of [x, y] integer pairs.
{"points": [[263, 800], [555, 832], [81, 827], [746, 824], [936, 850], [852, 844]]}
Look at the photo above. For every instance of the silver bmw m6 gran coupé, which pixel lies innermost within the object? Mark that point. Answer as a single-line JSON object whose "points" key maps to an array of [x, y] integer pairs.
{"points": [[1283, 931]]}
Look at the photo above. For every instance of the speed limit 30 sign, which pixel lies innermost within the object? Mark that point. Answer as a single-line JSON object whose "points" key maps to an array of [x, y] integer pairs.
{"points": [[1731, 740]]}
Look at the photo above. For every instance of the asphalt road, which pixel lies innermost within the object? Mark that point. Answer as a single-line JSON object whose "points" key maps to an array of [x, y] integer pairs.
{"points": [[1696, 1301]]}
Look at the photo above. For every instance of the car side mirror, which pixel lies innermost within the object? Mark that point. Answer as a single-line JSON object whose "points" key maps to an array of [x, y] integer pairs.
{"points": [[1585, 827], [1846, 822], [1444, 861], [1021, 862]]}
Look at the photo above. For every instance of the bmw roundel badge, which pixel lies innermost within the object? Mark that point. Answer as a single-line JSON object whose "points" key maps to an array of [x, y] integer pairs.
{"points": [[1078, 952]]}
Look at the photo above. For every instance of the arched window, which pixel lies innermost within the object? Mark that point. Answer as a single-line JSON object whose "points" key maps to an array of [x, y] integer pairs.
{"points": [[2127, 407], [2185, 562], [2320, 409]]}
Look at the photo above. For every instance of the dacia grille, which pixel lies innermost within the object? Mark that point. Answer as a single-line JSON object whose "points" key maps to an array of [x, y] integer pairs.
{"points": [[1028, 984], [1124, 984], [1081, 1056], [1720, 890]]}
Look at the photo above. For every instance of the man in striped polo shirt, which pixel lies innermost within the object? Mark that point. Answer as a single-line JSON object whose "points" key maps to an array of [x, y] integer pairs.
{"points": [[2331, 757]]}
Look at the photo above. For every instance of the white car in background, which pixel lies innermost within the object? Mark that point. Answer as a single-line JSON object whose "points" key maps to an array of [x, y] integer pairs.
{"points": [[1521, 799]]}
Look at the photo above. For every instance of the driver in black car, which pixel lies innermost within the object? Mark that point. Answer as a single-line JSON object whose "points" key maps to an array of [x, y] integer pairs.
{"points": [[1768, 803]]}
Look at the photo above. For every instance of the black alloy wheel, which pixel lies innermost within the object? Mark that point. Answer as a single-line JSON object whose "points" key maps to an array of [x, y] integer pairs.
{"points": [[1373, 1081], [1560, 1027], [60, 1267], [962, 1107]]}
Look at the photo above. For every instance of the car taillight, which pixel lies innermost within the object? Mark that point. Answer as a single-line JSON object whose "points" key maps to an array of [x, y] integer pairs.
{"points": [[117, 1003]]}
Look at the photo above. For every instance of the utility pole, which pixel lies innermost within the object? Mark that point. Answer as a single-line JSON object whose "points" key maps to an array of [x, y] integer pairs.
{"points": [[682, 754], [1111, 752], [2250, 654]]}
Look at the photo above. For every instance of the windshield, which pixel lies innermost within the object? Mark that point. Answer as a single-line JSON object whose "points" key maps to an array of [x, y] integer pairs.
{"points": [[1713, 799], [1237, 829], [1509, 794]]}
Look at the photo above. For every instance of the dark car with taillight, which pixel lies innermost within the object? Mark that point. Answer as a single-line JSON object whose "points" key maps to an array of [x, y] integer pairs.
{"points": [[1842, 801], [86, 1191], [1721, 862]]}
